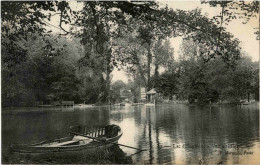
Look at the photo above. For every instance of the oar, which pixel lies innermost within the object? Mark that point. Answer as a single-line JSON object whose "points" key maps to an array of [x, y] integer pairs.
{"points": [[75, 133]]}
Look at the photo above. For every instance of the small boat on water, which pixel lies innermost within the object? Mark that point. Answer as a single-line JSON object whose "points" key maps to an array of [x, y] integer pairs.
{"points": [[80, 140], [133, 104], [149, 104], [122, 104]]}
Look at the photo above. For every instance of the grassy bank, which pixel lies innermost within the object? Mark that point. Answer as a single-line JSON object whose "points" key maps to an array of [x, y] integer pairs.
{"points": [[224, 103]]}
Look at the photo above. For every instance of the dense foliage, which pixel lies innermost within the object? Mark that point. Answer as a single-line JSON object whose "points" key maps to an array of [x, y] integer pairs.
{"points": [[39, 65], [213, 81]]}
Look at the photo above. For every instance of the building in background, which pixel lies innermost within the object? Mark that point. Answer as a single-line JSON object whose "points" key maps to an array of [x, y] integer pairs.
{"points": [[151, 96], [143, 95]]}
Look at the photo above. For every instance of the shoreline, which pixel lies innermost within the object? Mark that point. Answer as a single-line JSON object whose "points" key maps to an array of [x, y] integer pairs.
{"points": [[78, 106]]}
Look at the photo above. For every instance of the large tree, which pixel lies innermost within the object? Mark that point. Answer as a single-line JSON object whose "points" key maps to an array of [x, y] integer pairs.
{"points": [[100, 23], [214, 80]]}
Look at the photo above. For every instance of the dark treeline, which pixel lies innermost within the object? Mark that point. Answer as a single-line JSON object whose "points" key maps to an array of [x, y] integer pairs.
{"points": [[42, 65], [43, 76], [191, 78], [214, 81]]}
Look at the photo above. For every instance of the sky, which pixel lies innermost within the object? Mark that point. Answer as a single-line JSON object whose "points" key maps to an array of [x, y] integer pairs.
{"points": [[244, 32]]}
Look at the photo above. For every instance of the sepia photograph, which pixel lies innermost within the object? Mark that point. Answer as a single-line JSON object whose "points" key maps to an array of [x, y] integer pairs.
{"points": [[130, 82]]}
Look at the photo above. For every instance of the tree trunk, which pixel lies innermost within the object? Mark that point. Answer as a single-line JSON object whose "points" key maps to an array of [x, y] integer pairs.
{"points": [[108, 87], [156, 74], [140, 68], [108, 72], [149, 60]]}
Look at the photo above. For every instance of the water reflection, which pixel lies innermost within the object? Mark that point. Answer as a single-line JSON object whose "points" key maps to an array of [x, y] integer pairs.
{"points": [[176, 134], [180, 134]]}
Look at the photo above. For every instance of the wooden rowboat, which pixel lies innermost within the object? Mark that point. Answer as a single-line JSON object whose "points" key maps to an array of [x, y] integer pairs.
{"points": [[79, 140]]}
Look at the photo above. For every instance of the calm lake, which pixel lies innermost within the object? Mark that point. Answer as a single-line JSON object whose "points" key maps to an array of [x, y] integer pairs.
{"points": [[176, 134]]}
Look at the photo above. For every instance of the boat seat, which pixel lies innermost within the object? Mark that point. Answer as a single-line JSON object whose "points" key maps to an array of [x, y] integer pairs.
{"points": [[78, 137], [64, 143], [82, 138]]}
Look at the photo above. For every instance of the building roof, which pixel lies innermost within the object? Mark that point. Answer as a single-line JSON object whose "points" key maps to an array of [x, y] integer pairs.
{"points": [[151, 92]]}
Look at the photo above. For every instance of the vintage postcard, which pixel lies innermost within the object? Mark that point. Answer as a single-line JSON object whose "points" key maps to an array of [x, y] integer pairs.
{"points": [[130, 82]]}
